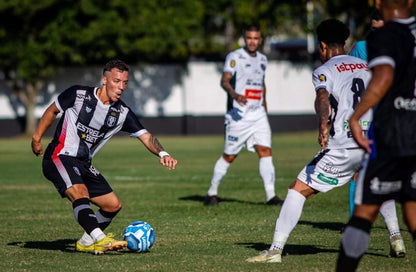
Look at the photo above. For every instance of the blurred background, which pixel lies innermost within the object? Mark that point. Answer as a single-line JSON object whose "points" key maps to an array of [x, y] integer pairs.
{"points": [[176, 50]]}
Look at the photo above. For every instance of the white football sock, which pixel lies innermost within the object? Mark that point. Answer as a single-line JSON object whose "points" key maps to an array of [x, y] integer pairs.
{"points": [[266, 169], [288, 218], [388, 211], [97, 234], [220, 169], [86, 240]]}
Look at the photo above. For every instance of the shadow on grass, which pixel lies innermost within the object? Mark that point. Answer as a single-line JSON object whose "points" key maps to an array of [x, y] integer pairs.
{"points": [[200, 198], [335, 226], [301, 249], [65, 245]]}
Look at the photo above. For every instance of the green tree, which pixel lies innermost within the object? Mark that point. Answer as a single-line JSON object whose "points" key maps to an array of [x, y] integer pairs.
{"points": [[38, 37]]}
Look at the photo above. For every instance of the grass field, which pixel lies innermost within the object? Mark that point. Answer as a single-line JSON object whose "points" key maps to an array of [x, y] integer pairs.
{"points": [[38, 230]]}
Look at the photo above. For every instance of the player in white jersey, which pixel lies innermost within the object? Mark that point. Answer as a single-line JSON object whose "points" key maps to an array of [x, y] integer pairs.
{"points": [[339, 83], [91, 116], [246, 121]]}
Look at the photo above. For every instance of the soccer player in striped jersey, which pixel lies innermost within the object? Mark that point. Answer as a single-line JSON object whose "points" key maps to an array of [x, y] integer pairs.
{"points": [[90, 117]]}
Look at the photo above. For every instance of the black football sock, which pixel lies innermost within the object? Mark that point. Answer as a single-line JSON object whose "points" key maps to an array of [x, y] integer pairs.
{"points": [[85, 215], [104, 218], [354, 244]]}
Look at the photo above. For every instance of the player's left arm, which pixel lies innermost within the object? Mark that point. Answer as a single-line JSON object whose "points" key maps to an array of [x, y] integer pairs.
{"points": [[154, 146], [264, 96]]}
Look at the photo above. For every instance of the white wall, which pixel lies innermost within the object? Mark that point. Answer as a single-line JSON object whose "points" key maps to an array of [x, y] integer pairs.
{"points": [[194, 91]]}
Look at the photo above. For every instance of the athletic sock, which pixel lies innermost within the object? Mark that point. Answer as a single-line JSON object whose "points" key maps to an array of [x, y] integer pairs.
{"points": [[354, 244], [288, 218], [267, 173], [351, 194], [104, 219], [220, 169], [86, 218], [388, 211]]}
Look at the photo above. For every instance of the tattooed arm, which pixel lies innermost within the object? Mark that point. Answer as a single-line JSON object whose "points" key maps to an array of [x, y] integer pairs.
{"points": [[323, 110], [154, 146]]}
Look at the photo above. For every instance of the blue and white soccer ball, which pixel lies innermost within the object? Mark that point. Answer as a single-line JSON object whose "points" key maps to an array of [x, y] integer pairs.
{"points": [[139, 236]]}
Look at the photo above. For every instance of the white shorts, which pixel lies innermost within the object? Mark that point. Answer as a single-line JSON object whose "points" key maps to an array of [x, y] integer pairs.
{"points": [[250, 133], [331, 168]]}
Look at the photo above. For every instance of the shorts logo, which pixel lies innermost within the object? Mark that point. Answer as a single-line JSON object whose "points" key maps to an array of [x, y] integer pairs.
{"points": [[328, 180], [413, 181], [378, 187], [94, 171], [232, 138], [76, 170]]}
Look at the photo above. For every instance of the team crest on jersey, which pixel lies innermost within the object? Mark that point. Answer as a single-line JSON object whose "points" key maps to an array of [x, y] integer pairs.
{"points": [[322, 78], [232, 63], [88, 109], [111, 121]]}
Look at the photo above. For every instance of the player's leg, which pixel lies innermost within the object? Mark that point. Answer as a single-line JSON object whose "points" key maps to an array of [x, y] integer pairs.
{"points": [[289, 216], [351, 192], [236, 134], [388, 211], [356, 237], [267, 173]]}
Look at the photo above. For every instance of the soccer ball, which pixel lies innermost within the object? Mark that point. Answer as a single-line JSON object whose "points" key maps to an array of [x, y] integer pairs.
{"points": [[139, 236]]}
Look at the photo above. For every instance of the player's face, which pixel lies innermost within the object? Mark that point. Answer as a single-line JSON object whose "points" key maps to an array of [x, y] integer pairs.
{"points": [[115, 83], [253, 40]]}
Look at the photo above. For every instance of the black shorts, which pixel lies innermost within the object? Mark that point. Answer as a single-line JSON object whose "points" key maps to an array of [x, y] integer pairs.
{"points": [[65, 171], [384, 179]]}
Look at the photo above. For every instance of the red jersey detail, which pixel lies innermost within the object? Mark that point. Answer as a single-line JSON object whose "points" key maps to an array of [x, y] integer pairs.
{"points": [[254, 94], [61, 142]]}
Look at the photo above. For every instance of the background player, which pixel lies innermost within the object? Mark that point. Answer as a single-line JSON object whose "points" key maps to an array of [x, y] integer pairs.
{"points": [[91, 116], [338, 85], [246, 120], [389, 171], [388, 208]]}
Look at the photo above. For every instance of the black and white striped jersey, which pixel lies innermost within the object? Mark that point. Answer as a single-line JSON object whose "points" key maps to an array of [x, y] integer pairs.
{"points": [[87, 124]]}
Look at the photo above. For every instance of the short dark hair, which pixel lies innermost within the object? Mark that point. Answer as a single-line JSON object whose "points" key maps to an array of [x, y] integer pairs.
{"points": [[251, 28], [119, 64], [332, 32]]}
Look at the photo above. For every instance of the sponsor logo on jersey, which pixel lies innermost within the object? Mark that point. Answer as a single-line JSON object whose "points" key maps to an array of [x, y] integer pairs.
{"points": [[232, 63], [248, 65], [378, 187], [402, 103], [88, 134], [322, 78], [253, 94], [328, 180], [345, 67]]}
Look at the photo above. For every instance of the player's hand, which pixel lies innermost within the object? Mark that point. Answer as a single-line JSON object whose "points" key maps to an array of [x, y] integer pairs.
{"points": [[241, 99], [37, 148], [358, 135], [169, 162]]}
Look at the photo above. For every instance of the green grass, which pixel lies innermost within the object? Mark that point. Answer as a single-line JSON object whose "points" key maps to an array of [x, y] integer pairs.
{"points": [[38, 230]]}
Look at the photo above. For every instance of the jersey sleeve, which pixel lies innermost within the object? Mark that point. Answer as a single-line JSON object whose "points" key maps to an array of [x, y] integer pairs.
{"points": [[230, 63], [359, 50], [320, 78], [66, 99], [381, 47], [132, 125]]}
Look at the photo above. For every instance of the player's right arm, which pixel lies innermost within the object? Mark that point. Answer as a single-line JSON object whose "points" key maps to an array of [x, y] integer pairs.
{"points": [[226, 85], [45, 122], [323, 110]]}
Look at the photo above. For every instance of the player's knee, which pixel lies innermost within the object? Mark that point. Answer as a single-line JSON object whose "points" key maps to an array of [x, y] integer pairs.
{"points": [[229, 158]]}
